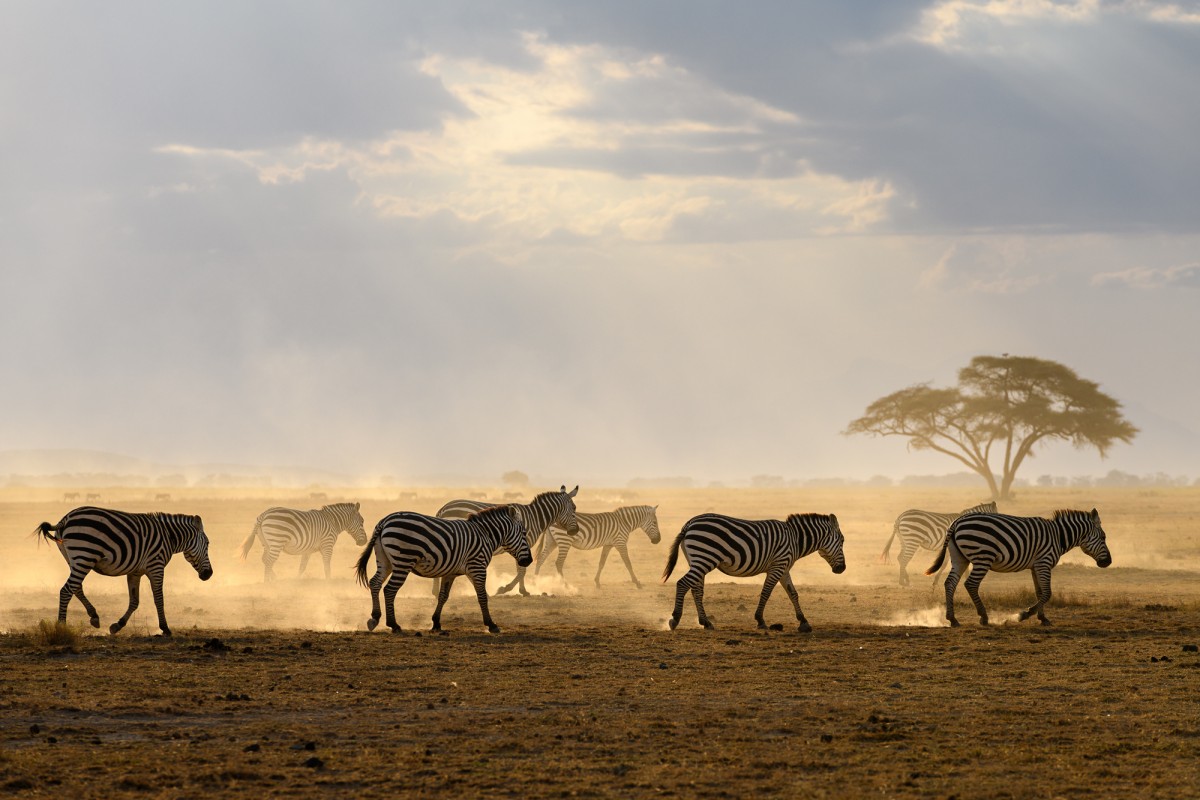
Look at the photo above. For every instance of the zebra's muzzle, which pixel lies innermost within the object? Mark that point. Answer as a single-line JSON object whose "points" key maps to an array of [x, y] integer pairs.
{"points": [[525, 562], [839, 569], [1104, 562], [205, 574]]}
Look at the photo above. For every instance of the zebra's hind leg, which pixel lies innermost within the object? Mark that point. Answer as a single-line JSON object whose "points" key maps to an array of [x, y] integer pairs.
{"points": [[303, 564], [1041, 585], [389, 597], [794, 596], [135, 582], [443, 595], [74, 588], [603, 557], [907, 551], [978, 572], [268, 559], [374, 585]]}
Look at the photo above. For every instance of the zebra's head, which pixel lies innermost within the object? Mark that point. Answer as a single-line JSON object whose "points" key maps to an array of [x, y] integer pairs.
{"points": [[650, 524], [1093, 542], [830, 544], [195, 548], [564, 510], [352, 521], [504, 523]]}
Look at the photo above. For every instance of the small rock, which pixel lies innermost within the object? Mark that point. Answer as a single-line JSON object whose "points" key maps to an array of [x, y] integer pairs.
{"points": [[252, 748], [778, 626], [662, 665], [1190, 648], [314, 763], [35, 728], [826, 737]]}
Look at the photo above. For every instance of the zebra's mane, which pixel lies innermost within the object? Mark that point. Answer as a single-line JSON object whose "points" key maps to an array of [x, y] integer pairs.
{"points": [[1066, 513], [806, 517], [488, 513]]}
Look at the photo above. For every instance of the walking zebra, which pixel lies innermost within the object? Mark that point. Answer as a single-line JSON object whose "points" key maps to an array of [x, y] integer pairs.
{"points": [[609, 530], [407, 542], [546, 509], [291, 531], [1011, 544], [133, 545], [744, 547], [924, 529]]}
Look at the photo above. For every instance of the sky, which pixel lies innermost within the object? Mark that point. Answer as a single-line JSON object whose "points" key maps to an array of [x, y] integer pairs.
{"points": [[589, 241]]}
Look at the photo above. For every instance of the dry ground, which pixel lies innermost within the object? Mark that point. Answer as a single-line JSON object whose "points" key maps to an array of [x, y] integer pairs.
{"points": [[279, 690]]}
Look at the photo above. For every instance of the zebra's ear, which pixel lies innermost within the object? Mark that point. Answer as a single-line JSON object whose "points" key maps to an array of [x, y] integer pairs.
{"points": [[573, 492], [1095, 514], [356, 506], [833, 519]]}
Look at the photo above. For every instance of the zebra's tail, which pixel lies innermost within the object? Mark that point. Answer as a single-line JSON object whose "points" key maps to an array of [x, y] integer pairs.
{"points": [[360, 569], [673, 558], [936, 567], [246, 545], [884, 557], [44, 529]]}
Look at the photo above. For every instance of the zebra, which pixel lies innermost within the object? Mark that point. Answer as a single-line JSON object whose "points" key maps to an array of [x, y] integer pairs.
{"points": [[751, 547], [608, 530], [924, 529], [546, 509], [407, 542], [119, 543], [1010, 544], [291, 531]]}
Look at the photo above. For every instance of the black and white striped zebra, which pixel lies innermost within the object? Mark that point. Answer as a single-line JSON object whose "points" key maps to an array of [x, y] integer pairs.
{"points": [[291, 531], [407, 542], [1004, 543], [538, 515], [750, 547], [924, 529], [609, 530], [118, 543]]}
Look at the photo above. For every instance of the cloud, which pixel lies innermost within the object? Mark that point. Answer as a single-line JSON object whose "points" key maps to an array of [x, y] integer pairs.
{"points": [[986, 266], [1183, 275]]}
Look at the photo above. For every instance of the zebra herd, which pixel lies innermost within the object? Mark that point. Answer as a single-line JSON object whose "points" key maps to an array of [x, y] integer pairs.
{"points": [[465, 535]]}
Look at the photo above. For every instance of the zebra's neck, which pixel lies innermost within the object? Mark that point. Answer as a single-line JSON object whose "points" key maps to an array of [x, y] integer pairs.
{"points": [[175, 535], [537, 515], [1069, 533]]}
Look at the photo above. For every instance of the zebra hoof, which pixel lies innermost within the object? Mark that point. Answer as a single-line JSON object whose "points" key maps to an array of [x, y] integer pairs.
{"points": [[708, 626], [1045, 621], [395, 628], [1024, 615], [95, 621], [371, 623], [166, 633], [762, 626], [524, 593], [635, 583], [954, 623], [805, 627], [493, 628], [673, 622], [115, 627], [984, 622], [503, 590]]}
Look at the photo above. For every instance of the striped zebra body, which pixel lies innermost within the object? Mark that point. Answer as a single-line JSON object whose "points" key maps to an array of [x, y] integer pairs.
{"points": [[987, 542], [924, 529], [538, 515], [609, 530], [291, 531], [119, 543], [743, 547], [407, 543]]}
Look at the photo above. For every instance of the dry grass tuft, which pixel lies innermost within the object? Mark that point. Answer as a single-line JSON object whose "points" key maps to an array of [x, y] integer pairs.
{"points": [[57, 634]]}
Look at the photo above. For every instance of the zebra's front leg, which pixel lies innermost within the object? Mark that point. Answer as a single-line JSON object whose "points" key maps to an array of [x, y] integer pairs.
{"points": [[518, 580], [624, 553], [564, 549], [768, 587], [303, 564], [327, 560], [603, 557], [443, 595], [544, 546], [790, 588], [156, 588], [135, 583], [478, 576], [978, 572], [1041, 585], [74, 588]]}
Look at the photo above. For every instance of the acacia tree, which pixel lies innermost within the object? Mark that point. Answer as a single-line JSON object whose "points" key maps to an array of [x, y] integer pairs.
{"points": [[1002, 407]]}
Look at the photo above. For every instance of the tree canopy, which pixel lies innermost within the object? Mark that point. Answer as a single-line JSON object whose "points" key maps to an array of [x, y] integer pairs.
{"points": [[1003, 407]]}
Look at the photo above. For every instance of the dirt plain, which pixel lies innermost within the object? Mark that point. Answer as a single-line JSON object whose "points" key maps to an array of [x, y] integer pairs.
{"points": [[279, 690]]}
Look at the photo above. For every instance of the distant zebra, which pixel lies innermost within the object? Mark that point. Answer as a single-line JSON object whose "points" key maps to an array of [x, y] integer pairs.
{"points": [[924, 529], [407, 542], [745, 547], [543, 511], [70, 497], [91, 496], [291, 531], [1011, 544], [609, 529], [118, 543]]}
